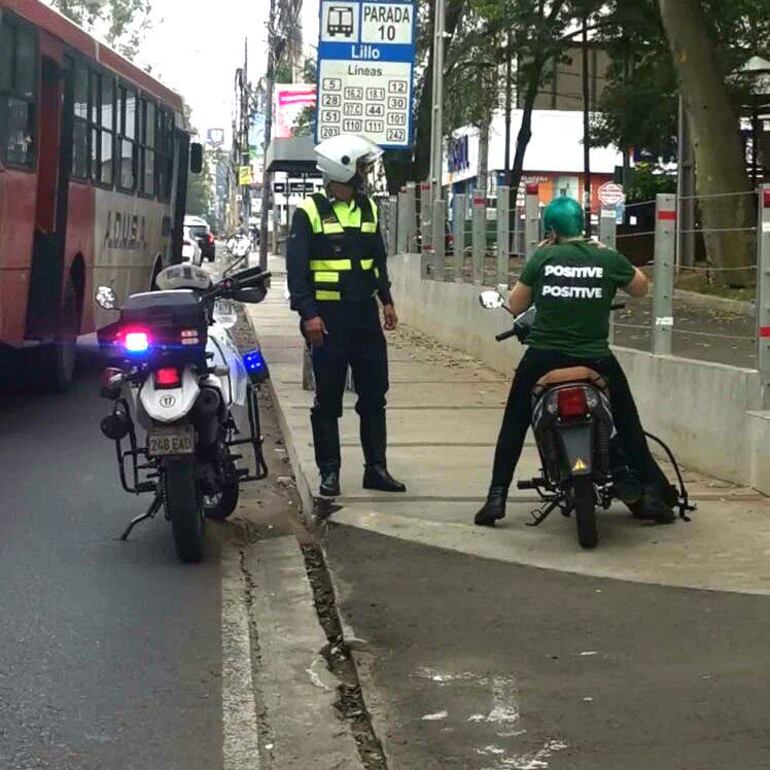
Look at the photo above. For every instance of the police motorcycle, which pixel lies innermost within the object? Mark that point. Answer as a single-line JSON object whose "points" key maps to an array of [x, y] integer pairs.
{"points": [[573, 427], [177, 380]]}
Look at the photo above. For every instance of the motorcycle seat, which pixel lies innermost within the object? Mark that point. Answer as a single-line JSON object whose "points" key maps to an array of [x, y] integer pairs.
{"points": [[558, 377]]}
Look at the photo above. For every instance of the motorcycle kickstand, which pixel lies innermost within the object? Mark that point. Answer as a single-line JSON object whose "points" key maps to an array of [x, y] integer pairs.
{"points": [[539, 515], [151, 512]]}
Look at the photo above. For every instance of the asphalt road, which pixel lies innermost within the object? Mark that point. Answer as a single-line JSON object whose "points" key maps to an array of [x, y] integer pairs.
{"points": [[110, 652], [478, 665]]}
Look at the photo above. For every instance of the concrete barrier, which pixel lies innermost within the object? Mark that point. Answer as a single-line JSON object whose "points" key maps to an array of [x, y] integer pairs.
{"points": [[707, 412]]}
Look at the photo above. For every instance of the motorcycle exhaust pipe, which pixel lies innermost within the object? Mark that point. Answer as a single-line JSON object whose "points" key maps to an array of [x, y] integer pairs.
{"points": [[208, 402], [116, 426]]}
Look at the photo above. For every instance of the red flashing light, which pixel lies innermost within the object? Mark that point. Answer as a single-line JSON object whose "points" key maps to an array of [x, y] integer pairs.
{"points": [[168, 377], [572, 402]]}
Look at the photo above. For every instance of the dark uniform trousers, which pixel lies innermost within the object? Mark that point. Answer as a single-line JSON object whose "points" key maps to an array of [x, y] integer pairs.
{"points": [[355, 339]]}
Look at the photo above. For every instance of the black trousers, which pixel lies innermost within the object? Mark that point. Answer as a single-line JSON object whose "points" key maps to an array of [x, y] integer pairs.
{"points": [[518, 415], [355, 338]]}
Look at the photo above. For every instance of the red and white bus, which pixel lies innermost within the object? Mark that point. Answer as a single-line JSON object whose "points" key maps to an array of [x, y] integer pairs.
{"points": [[94, 158]]}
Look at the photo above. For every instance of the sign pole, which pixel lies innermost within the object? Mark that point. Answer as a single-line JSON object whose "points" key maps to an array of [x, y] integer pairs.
{"points": [[437, 129]]}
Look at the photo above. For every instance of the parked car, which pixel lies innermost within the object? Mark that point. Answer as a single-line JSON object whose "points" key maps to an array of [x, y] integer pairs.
{"points": [[449, 240], [191, 251], [200, 230]]}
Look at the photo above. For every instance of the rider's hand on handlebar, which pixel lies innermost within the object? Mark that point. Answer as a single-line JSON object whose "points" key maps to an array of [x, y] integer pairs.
{"points": [[315, 330]]}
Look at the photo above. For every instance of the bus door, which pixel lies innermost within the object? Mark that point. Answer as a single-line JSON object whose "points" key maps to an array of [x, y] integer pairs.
{"points": [[179, 191], [54, 167]]}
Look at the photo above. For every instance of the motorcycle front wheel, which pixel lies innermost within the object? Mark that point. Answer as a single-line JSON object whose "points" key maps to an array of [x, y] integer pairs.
{"points": [[585, 511], [184, 508]]}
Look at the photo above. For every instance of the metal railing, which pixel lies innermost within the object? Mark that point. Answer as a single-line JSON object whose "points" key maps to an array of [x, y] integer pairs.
{"points": [[492, 251]]}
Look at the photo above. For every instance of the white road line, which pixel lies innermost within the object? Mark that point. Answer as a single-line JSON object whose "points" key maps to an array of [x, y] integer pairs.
{"points": [[239, 714]]}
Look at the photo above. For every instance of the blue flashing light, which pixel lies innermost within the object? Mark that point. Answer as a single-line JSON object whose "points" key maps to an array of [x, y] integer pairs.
{"points": [[255, 365]]}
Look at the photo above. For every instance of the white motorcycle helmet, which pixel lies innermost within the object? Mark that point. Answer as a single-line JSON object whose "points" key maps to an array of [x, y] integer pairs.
{"points": [[183, 277], [343, 158]]}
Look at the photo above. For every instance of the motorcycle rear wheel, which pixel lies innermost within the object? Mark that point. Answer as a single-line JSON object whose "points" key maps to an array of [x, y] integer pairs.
{"points": [[585, 512], [184, 508]]}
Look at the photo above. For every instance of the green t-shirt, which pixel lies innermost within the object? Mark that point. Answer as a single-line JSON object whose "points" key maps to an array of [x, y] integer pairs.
{"points": [[574, 284]]}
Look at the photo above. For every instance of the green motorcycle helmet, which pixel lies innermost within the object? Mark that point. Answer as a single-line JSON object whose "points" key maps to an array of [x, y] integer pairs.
{"points": [[565, 217]]}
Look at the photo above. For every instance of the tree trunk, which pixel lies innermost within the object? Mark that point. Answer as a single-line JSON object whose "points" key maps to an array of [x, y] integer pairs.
{"points": [[482, 177], [525, 130], [719, 154]]}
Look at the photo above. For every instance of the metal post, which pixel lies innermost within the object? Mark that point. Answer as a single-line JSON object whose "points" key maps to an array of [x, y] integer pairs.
{"points": [[426, 229], [402, 226], [439, 239], [763, 287], [479, 237], [503, 236], [393, 224], [608, 230], [410, 215], [458, 228], [517, 250], [437, 128], [663, 274], [532, 221]]}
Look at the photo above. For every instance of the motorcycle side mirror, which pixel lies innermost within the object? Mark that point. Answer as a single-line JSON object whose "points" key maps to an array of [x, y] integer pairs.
{"points": [[106, 298], [491, 300], [251, 296]]}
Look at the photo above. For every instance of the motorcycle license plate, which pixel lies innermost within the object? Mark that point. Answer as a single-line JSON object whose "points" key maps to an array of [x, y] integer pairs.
{"points": [[171, 441]]}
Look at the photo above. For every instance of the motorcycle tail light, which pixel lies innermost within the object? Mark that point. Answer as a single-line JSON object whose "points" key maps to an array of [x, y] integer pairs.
{"points": [[168, 377], [572, 402], [211, 238]]}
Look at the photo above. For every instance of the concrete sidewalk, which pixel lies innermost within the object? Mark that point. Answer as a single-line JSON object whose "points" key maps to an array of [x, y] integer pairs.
{"points": [[444, 414]]}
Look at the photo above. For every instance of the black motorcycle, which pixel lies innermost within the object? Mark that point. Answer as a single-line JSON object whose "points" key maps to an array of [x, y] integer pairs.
{"points": [[573, 427]]}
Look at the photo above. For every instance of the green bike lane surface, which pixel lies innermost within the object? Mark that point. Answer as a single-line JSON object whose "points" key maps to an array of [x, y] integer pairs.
{"points": [[110, 652], [477, 664]]}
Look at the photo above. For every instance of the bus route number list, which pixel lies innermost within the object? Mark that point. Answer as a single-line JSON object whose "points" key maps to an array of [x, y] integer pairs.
{"points": [[374, 102]]}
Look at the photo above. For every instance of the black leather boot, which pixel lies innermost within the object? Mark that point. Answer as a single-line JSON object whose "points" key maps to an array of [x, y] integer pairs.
{"points": [[374, 440], [326, 442], [654, 506], [330, 482], [494, 508]]}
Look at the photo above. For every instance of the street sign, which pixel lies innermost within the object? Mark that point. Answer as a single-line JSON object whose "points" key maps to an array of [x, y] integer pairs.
{"points": [[245, 176], [611, 194], [366, 57]]}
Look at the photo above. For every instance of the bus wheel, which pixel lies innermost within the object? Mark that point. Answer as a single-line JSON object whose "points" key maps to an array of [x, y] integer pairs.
{"points": [[55, 363]]}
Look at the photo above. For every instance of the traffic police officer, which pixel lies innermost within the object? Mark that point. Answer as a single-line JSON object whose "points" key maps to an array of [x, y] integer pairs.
{"points": [[336, 264]]}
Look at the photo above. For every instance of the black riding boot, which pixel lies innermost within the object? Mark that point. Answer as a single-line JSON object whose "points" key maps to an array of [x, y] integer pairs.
{"points": [[494, 508], [326, 442], [374, 441]]}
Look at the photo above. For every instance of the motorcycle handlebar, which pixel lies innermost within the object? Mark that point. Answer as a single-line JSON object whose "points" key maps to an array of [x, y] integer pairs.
{"points": [[506, 335]]}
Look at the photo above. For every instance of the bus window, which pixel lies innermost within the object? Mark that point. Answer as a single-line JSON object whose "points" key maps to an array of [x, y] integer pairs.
{"points": [[80, 125], [127, 142], [17, 94], [101, 127], [147, 149]]}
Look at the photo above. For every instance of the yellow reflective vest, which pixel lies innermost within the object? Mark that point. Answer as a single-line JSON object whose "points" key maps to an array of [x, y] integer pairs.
{"points": [[345, 243]]}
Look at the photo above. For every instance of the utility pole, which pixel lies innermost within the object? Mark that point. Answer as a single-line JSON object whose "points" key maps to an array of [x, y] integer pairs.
{"points": [[437, 129], [586, 128], [273, 54], [245, 126]]}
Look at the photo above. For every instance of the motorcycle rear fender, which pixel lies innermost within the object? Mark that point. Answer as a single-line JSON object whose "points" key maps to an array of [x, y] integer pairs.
{"points": [[170, 404], [578, 444]]}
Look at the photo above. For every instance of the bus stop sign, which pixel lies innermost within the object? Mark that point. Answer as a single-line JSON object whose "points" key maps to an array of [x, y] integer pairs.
{"points": [[366, 55]]}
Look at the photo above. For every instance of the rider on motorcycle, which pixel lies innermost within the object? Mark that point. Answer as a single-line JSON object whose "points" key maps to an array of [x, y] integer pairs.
{"points": [[572, 282]]}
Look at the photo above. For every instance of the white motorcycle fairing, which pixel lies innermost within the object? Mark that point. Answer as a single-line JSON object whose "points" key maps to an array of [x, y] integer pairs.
{"points": [[169, 405], [235, 385]]}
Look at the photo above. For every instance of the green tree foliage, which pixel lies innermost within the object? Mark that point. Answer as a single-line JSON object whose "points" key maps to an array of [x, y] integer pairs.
{"points": [[121, 22], [200, 197]]}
